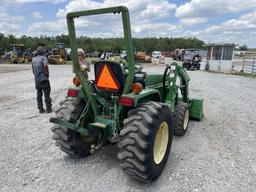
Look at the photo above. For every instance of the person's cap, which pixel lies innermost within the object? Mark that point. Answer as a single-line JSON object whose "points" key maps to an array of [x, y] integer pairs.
{"points": [[40, 50], [80, 52]]}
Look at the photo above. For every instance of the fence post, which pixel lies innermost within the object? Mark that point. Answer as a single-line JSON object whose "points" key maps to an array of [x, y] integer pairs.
{"points": [[243, 64], [253, 65]]}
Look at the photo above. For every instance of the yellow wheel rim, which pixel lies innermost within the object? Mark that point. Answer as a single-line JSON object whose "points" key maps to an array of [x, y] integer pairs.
{"points": [[186, 119], [161, 142]]}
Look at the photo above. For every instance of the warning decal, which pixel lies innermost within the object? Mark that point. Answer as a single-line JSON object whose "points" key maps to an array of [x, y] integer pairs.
{"points": [[106, 80]]}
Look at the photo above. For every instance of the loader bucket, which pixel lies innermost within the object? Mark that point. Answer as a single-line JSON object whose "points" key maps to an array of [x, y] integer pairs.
{"points": [[196, 109]]}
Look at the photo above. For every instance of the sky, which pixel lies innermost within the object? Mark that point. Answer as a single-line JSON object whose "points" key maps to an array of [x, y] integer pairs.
{"points": [[214, 21]]}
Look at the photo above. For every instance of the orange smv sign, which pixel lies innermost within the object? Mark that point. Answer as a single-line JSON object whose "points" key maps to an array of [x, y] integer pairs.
{"points": [[107, 80]]}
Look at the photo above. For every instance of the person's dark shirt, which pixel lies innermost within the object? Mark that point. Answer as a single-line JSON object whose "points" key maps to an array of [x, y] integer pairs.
{"points": [[38, 64]]}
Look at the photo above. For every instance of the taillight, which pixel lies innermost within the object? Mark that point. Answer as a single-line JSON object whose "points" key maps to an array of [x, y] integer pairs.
{"points": [[76, 81], [72, 93], [137, 88], [126, 101]]}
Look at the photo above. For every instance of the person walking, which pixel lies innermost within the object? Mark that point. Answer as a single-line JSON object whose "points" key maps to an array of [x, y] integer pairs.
{"points": [[84, 65], [42, 84]]}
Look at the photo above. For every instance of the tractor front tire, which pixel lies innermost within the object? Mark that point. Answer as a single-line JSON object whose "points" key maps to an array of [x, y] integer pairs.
{"points": [[181, 118], [145, 141], [67, 140]]}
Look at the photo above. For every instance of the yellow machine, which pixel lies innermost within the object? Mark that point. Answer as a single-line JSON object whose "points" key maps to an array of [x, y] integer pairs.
{"points": [[58, 55], [142, 56], [19, 54]]}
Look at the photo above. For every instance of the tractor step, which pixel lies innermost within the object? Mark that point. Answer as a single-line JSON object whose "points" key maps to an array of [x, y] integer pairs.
{"points": [[101, 122], [97, 124], [196, 109]]}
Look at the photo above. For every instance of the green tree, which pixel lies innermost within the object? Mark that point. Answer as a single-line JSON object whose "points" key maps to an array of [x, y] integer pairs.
{"points": [[148, 44]]}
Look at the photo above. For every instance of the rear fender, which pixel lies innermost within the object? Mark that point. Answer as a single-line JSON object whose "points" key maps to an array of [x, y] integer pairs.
{"points": [[144, 96]]}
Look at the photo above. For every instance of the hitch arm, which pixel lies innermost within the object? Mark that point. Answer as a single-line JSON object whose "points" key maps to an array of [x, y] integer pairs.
{"points": [[69, 126]]}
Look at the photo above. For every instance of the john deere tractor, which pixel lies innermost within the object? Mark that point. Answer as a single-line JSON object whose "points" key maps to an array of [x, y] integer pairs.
{"points": [[126, 106]]}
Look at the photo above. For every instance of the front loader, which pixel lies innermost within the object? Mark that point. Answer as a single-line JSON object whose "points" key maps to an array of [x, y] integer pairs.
{"points": [[58, 55], [20, 54], [126, 106]]}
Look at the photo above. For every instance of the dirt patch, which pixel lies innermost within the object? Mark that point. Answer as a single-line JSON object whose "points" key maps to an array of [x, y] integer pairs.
{"points": [[3, 99], [8, 68]]}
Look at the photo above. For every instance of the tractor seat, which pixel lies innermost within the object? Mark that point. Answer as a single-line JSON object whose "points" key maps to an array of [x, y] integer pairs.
{"points": [[140, 77], [109, 76]]}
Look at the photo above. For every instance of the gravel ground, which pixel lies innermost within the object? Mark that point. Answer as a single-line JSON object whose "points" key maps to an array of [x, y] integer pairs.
{"points": [[216, 154]]}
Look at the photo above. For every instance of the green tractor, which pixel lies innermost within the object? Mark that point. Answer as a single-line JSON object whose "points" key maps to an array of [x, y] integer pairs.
{"points": [[126, 106]]}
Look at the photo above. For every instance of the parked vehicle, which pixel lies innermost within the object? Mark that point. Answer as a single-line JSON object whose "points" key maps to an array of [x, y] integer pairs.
{"points": [[156, 54], [7, 55], [142, 56], [58, 55], [106, 55], [19, 54], [176, 54], [192, 59], [123, 55], [68, 52], [166, 53]]}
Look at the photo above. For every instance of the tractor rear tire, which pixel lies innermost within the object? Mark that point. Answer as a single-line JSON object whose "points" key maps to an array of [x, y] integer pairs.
{"points": [[145, 141], [181, 118], [67, 140]]}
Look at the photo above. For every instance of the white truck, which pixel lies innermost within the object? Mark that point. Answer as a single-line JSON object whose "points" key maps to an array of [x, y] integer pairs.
{"points": [[156, 54]]}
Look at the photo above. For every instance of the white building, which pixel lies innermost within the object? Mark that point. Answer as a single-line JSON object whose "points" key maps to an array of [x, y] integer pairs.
{"points": [[220, 57]]}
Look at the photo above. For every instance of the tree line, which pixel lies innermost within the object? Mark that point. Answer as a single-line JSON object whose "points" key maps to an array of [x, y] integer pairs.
{"points": [[148, 44]]}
